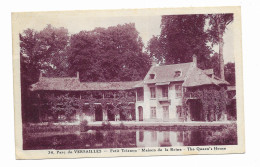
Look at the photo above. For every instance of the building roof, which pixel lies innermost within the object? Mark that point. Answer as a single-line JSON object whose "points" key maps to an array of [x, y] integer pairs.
{"points": [[198, 77], [231, 88], [73, 84], [188, 73], [166, 73], [209, 71], [191, 75]]}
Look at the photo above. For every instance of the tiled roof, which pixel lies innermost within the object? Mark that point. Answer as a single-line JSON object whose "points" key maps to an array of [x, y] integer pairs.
{"points": [[73, 84], [209, 71], [166, 73], [109, 85], [231, 88], [190, 75], [139, 84], [198, 77]]}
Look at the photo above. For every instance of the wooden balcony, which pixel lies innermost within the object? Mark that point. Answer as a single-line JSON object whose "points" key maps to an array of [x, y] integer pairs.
{"points": [[164, 99]]}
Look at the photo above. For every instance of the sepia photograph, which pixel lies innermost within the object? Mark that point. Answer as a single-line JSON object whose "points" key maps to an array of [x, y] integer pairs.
{"points": [[128, 82]]}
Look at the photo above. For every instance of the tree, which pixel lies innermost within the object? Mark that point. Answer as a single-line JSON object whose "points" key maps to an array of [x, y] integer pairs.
{"points": [[230, 74], [112, 54], [181, 37], [217, 27], [41, 51]]}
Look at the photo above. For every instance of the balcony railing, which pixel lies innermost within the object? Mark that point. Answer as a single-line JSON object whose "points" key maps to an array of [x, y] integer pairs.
{"points": [[163, 99]]}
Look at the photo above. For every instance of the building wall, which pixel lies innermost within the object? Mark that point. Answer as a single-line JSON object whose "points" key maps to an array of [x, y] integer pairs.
{"points": [[157, 102]]}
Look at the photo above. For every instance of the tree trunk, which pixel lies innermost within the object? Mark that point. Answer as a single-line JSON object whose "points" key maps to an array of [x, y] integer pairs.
{"points": [[221, 59], [221, 44]]}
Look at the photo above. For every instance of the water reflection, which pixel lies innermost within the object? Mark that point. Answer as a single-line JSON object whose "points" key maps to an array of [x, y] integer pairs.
{"points": [[127, 139], [159, 138]]}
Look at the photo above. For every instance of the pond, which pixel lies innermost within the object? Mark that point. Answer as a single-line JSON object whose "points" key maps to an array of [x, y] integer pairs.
{"points": [[130, 139]]}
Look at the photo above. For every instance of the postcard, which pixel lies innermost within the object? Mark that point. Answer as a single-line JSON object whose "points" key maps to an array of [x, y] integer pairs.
{"points": [[137, 82]]}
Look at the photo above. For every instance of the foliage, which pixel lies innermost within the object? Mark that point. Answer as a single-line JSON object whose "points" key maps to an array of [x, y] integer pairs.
{"points": [[181, 37], [215, 64], [41, 51], [119, 103], [63, 105], [212, 100], [106, 125], [112, 54], [83, 125], [217, 26], [230, 74], [184, 35], [226, 136]]}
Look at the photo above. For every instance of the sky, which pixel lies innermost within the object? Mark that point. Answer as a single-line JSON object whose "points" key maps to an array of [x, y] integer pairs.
{"points": [[147, 26]]}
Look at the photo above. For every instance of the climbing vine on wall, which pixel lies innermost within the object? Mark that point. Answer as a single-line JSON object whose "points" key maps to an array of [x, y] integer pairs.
{"points": [[213, 102], [60, 107], [119, 100], [68, 104]]}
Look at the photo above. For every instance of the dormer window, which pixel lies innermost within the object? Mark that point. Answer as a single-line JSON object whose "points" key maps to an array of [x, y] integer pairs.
{"points": [[152, 76], [177, 74]]}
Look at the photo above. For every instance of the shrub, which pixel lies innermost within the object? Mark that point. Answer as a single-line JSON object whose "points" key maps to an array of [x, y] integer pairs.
{"points": [[226, 136], [122, 126], [106, 125], [83, 125]]}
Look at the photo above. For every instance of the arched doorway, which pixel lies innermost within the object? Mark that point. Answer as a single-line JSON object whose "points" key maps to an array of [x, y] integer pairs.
{"points": [[140, 111]]}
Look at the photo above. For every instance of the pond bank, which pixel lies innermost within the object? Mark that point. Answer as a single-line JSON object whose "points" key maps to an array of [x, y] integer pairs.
{"points": [[84, 126], [108, 136], [147, 124]]}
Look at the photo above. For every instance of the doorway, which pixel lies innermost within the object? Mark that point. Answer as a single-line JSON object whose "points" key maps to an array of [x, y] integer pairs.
{"points": [[196, 110], [140, 111], [110, 113], [98, 113], [165, 113]]}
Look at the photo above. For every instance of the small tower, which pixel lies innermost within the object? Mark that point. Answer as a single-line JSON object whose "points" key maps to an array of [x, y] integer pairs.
{"points": [[154, 63], [40, 77], [194, 60]]}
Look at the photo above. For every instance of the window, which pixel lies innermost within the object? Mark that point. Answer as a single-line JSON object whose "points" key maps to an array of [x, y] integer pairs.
{"points": [[153, 93], [86, 109], [165, 91], [179, 110], [141, 136], [166, 137], [165, 112], [178, 90], [154, 135], [153, 112], [140, 94], [152, 76], [177, 74]]}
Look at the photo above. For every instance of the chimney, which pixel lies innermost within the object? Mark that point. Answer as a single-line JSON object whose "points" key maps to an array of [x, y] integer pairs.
{"points": [[40, 75], [178, 61], [154, 63], [77, 74], [194, 60]]}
